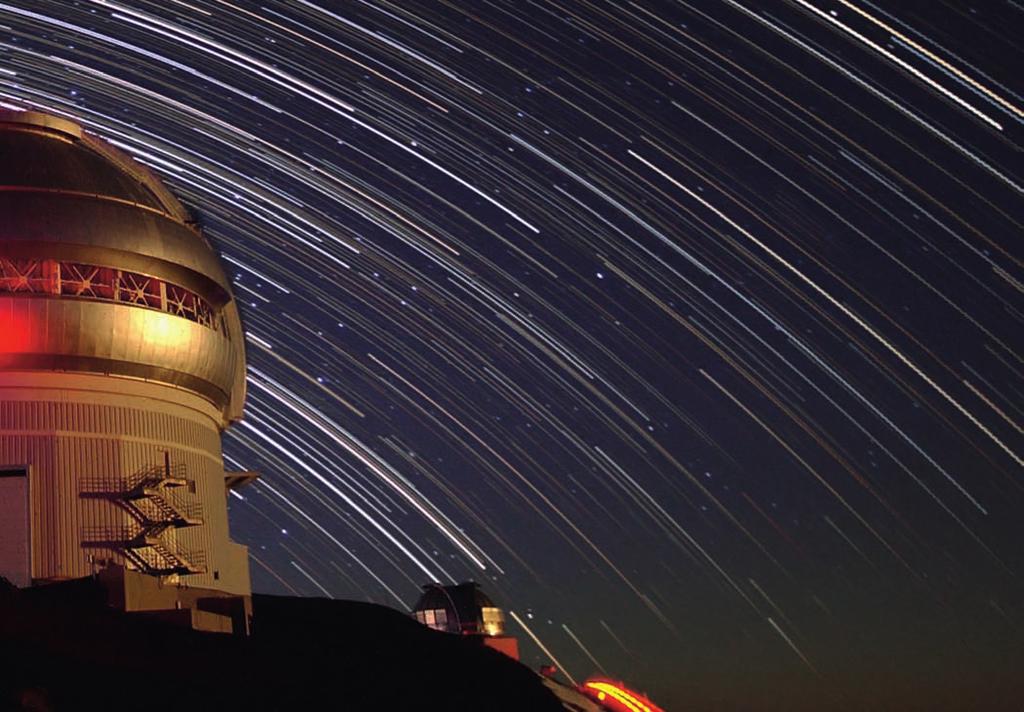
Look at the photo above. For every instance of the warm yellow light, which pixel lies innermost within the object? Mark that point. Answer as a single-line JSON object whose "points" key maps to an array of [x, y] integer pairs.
{"points": [[165, 330]]}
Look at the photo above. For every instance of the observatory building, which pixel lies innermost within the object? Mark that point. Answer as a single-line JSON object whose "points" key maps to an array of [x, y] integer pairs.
{"points": [[121, 361], [466, 610]]}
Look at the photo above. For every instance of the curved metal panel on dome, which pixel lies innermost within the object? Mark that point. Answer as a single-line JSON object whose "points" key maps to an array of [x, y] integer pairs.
{"points": [[38, 121], [110, 172], [97, 337], [110, 234], [35, 161], [102, 270]]}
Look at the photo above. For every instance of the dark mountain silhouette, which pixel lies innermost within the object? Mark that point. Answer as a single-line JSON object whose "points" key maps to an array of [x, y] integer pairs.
{"points": [[62, 649]]}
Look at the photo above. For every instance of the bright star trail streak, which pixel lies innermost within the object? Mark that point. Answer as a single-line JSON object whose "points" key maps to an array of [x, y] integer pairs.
{"points": [[694, 329]]}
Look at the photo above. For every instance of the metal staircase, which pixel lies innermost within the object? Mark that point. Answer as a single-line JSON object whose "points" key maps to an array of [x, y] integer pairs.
{"points": [[149, 497]]}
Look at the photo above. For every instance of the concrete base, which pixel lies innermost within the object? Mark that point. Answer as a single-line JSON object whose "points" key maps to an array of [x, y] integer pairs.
{"points": [[197, 608]]}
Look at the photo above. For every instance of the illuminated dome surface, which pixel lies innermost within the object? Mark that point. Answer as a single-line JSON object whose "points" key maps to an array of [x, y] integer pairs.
{"points": [[103, 272]]}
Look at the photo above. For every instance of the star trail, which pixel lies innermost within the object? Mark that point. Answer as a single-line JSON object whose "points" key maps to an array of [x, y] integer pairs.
{"points": [[691, 330]]}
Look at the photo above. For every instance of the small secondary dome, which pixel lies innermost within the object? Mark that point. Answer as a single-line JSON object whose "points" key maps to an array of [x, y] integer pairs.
{"points": [[461, 609], [102, 269]]}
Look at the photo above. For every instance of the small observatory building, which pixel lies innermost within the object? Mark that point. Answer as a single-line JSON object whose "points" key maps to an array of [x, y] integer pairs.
{"points": [[464, 609], [121, 362]]}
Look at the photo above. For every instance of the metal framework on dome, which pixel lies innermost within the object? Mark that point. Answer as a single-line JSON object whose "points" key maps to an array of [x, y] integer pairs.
{"points": [[57, 278]]}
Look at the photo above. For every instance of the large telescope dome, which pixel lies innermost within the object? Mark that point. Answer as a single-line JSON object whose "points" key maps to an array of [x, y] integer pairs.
{"points": [[103, 272]]}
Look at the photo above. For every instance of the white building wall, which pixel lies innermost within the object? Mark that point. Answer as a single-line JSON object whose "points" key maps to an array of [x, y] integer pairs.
{"points": [[83, 433]]}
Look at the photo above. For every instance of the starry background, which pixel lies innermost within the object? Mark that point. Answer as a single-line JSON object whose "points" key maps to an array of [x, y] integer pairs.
{"points": [[691, 330]]}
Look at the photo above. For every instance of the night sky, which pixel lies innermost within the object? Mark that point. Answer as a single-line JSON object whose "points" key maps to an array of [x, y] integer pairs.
{"points": [[691, 330]]}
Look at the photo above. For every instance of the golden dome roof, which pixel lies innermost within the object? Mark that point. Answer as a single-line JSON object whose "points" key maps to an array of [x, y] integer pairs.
{"points": [[103, 271]]}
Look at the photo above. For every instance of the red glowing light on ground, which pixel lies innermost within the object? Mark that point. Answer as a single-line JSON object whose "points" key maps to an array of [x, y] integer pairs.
{"points": [[617, 698]]}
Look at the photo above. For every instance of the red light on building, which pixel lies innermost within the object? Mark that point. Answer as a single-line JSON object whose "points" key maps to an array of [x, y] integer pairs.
{"points": [[617, 698], [15, 331], [503, 644]]}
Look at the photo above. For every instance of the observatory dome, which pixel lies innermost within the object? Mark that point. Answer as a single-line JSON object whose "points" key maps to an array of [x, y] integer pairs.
{"points": [[102, 271], [463, 608]]}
